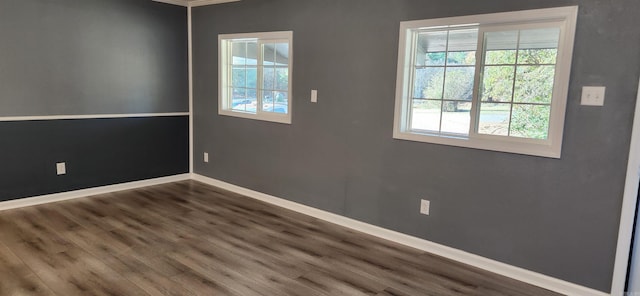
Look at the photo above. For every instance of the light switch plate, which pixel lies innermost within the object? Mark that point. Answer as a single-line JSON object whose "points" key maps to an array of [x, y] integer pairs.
{"points": [[314, 96], [593, 95]]}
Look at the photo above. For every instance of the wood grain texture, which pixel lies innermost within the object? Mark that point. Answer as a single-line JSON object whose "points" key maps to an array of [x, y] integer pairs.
{"points": [[187, 238]]}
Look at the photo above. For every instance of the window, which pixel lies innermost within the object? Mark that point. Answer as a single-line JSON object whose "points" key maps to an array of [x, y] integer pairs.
{"points": [[494, 81], [255, 76]]}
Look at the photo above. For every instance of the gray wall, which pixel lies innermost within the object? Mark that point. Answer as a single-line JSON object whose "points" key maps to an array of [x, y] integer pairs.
{"points": [[558, 217], [92, 56], [97, 152], [76, 57]]}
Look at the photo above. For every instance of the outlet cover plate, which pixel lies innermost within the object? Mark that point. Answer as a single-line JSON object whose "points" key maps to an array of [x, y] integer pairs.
{"points": [[425, 206], [61, 168]]}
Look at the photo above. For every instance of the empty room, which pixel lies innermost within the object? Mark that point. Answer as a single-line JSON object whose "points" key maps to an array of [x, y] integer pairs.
{"points": [[319, 147]]}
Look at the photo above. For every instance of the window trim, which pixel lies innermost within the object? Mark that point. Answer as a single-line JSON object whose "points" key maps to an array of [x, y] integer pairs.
{"points": [[223, 76], [552, 146]]}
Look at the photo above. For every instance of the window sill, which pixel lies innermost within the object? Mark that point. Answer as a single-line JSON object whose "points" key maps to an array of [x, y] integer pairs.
{"points": [[535, 148], [285, 119]]}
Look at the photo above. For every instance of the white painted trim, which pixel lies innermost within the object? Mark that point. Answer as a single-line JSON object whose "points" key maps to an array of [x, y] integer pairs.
{"points": [[195, 3], [634, 269], [90, 116], [563, 18], [190, 46], [224, 48], [37, 200], [174, 2], [507, 270], [629, 201]]}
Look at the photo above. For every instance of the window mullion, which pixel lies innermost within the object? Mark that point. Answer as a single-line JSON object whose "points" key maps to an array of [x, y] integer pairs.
{"points": [[444, 80], [412, 73], [259, 75], [229, 74], [513, 85], [475, 100]]}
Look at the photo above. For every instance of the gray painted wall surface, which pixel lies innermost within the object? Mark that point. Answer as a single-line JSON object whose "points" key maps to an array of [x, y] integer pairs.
{"points": [[92, 56], [97, 152], [558, 217], [86, 57]]}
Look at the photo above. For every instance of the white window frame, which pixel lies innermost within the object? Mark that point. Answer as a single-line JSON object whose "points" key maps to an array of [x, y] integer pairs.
{"points": [[564, 17], [224, 75]]}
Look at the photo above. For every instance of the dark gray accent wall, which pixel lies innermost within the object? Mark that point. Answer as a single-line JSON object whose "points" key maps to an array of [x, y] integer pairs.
{"points": [[97, 152], [74, 57], [558, 217], [77, 57]]}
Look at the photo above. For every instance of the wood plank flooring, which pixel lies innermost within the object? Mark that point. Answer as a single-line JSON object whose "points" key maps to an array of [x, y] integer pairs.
{"points": [[187, 238]]}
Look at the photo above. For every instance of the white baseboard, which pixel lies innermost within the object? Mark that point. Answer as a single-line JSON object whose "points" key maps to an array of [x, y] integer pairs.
{"points": [[504, 269], [36, 200], [91, 116]]}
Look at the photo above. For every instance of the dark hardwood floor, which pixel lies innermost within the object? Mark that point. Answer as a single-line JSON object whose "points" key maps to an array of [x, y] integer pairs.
{"points": [[188, 238]]}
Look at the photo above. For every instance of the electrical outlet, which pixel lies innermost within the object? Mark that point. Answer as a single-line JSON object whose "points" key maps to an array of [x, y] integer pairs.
{"points": [[314, 96], [61, 168], [206, 157], [424, 206]]}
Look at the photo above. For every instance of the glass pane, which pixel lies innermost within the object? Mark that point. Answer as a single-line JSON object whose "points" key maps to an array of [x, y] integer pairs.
{"points": [[268, 77], [494, 119], [459, 83], [251, 106], [239, 98], [252, 77], [282, 54], [432, 41], [252, 100], [461, 58], [546, 38], [456, 117], [431, 48], [539, 46], [280, 102], [530, 121], [500, 47], [268, 53], [239, 52], [267, 101], [534, 84], [425, 115], [243, 100], [537, 56], [428, 83], [503, 40], [500, 57], [435, 58], [274, 101], [239, 78], [282, 79], [252, 95], [252, 53], [497, 84], [463, 40]]}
